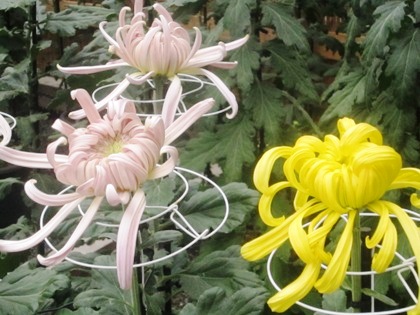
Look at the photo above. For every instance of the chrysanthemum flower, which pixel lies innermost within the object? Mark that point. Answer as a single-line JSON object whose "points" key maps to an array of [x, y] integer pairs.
{"points": [[109, 159], [332, 178], [163, 49]]}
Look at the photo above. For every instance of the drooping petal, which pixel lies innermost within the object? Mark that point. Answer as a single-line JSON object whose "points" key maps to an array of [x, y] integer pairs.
{"points": [[184, 121], [334, 275], [87, 104], [78, 232], [172, 98], [38, 237], [296, 290], [28, 159], [412, 232], [236, 43], [46, 199], [127, 238], [229, 96]]}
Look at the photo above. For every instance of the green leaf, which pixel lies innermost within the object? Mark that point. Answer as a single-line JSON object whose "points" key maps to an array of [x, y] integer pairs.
{"points": [[207, 209], [14, 80], [293, 70], [25, 289], [417, 10], [65, 23], [288, 28], [232, 142], [335, 301], [350, 89], [80, 311], [10, 4], [105, 294], [248, 59], [391, 13], [225, 269], [246, 301], [380, 297], [6, 184], [404, 63], [237, 16], [160, 192]]}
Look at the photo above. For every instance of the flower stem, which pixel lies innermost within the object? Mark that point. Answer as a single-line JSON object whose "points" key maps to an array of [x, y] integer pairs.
{"points": [[356, 264], [159, 92], [137, 309]]}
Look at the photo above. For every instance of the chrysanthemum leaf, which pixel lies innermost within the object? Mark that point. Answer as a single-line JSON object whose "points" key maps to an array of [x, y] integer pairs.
{"points": [[10, 4], [246, 301], [207, 209], [287, 27], [27, 288], [389, 21]]}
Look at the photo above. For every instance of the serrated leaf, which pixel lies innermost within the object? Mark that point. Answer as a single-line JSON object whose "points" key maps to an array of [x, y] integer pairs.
{"points": [[335, 301], [351, 90], [238, 16], [246, 301], [404, 62], [248, 59], [292, 69], [225, 269], [10, 4], [14, 80], [80, 311], [288, 28], [5, 186], [105, 294], [65, 23], [207, 209], [391, 13], [25, 289], [232, 142]]}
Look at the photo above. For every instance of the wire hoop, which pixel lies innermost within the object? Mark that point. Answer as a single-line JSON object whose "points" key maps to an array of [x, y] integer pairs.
{"points": [[140, 96], [404, 265], [175, 215]]}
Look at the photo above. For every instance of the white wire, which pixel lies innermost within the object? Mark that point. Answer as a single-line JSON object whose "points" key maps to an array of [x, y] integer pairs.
{"points": [[186, 227], [407, 264], [182, 108]]}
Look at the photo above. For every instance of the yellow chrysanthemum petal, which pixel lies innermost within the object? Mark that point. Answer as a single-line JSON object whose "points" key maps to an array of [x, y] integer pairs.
{"points": [[264, 206], [413, 235], [296, 290], [299, 238], [344, 124], [407, 177], [384, 220], [336, 270], [264, 167]]}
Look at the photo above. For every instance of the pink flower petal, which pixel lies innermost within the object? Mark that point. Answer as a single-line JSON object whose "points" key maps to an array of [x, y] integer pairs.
{"points": [[86, 102], [45, 199], [236, 43], [184, 121], [27, 159], [229, 96], [92, 69], [169, 165], [38, 237], [78, 232], [127, 238], [170, 105]]}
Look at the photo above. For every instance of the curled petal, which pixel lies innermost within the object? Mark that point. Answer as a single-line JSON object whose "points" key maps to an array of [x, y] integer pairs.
{"points": [[407, 177], [28, 159], [5, 130], [296, 290], [264, 167], [127, 238], [169, 165], [80, 229], [265, 204], [86, 102], [45, 199], [229, 96], [38, 237]]}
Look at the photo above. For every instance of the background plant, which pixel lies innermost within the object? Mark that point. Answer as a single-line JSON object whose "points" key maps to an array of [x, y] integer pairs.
{"points": [[306, 64]]}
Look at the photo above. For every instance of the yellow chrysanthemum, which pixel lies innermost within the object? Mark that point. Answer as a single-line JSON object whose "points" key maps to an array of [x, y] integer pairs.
{"points": [[334, 177]]}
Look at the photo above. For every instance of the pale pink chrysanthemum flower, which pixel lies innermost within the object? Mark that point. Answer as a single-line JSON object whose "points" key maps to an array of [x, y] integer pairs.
{"points": [[163, 49], [109, 159]]}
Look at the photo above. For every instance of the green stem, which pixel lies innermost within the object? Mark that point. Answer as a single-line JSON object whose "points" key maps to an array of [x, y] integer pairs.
{"points": [[159, 94], [356, 264], [135, 293]]}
